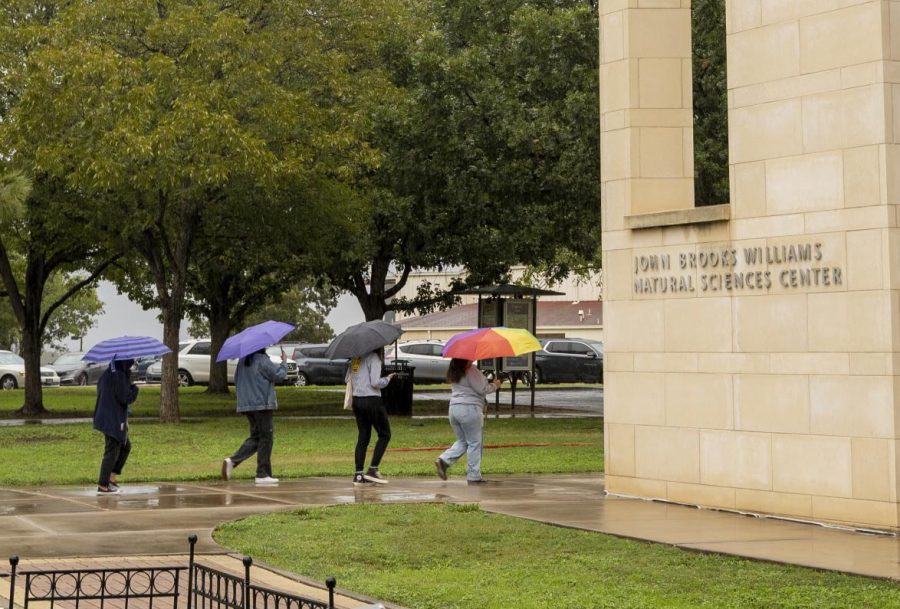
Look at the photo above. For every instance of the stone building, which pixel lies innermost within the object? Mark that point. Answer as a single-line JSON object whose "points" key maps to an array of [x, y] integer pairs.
{"points": [[752, 347]]}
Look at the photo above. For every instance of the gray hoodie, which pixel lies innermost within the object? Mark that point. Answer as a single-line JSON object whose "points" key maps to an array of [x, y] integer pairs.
{"points": [[471, 388]]}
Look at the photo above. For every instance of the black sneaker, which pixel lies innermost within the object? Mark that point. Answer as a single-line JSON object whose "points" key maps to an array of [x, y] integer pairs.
{"points": [[441, 468], [109, 490], [373, 476], [114, 485], [478, 482], [360, 480]]}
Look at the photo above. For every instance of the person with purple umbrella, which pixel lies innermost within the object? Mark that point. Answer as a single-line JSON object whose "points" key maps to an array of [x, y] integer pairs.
{"points": [[115, 392], [254, 381]]}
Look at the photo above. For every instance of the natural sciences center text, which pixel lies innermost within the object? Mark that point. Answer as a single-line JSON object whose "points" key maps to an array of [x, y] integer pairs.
{"points": [[736, 269]]}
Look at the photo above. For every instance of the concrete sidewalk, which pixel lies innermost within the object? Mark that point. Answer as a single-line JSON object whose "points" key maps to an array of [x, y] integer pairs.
{"points": [[156, 519]]}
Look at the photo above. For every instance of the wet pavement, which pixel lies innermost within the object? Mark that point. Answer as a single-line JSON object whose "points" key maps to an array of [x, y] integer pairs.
{"points": [[156, 519]]}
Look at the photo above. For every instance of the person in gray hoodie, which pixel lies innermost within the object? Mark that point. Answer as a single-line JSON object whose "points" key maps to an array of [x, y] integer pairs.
{"points": [[254, 382], [468, 388]]}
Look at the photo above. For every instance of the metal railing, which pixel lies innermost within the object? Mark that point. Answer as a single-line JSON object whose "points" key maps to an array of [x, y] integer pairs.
{"points": [[144, 587]]}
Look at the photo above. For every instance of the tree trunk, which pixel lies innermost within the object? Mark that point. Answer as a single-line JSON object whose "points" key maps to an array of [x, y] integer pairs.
{"points": [[31, 353], [219, 327], [372, 309], [168, 393], [31, 337]]}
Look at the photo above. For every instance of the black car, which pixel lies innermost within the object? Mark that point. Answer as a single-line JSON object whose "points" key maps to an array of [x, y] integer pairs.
{"points": [[313, 368], [569, 360]]}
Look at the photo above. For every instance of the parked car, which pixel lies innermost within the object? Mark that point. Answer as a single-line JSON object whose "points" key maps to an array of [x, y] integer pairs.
{"points": [[193, 364], [274, 354], [569, 360], [72, 370], [425, 356], [12, 372], [313, 368], [141, 364]]}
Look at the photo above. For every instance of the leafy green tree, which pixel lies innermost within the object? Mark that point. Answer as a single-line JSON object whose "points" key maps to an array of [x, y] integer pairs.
{"points": [[239, 272], [710, 102], [490, 149], [160, 110], [40, 254], [306, 308], [43, 229], [74, 317]]}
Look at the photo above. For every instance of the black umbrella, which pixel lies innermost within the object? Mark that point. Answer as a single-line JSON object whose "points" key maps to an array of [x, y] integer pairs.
{"points": [[362, 338]]}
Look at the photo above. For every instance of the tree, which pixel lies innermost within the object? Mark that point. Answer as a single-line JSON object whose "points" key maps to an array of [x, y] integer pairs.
{"points": [[45, 231], [36, 237], [73, 318], [239, 270], [490, 151], [159, 111], [306, 308], [710, 102]]}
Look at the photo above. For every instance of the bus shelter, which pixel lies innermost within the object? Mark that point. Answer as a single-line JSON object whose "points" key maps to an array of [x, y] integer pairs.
{"points": [[512, 306]]}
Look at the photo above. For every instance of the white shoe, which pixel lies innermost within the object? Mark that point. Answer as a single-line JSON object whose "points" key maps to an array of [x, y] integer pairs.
{"points": [[374, 476], [267, 480], [227, 468]]}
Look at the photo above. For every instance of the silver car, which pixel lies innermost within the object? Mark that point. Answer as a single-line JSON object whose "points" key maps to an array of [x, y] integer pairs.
{"points": [[425, 356], [72, 370]]}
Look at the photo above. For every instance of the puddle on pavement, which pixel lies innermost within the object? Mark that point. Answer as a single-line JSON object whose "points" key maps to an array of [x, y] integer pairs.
{"points": [[21, 422], [362, 496]]}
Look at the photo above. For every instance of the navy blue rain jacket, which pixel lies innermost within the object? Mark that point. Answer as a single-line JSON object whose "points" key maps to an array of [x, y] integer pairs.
{"points": [[114, 394]]}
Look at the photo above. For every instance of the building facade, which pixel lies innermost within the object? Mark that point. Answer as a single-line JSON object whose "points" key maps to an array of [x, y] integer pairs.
{"points": [[752, 348]]}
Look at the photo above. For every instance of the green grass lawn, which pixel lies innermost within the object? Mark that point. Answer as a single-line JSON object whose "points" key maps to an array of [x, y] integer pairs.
{"points": [[457, 557], [194, 401], [193, 450]]}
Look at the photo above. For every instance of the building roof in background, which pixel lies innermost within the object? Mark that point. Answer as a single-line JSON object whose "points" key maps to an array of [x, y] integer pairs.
{"points": [[564, 314], [508, 289]]}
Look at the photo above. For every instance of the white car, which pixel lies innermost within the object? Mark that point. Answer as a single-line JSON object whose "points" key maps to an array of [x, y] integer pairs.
{"points": [[424, 356], [12, 372], [193, 364]]}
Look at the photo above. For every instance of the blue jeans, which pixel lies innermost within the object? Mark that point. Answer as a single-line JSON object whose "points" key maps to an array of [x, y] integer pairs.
{"points": [[467, 422]]}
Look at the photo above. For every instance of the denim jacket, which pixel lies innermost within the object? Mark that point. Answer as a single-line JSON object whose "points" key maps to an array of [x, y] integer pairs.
{"points": [[255, 384]]}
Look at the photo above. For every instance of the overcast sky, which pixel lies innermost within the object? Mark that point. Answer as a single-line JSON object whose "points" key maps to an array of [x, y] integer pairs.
{"points": [[124, 317]]}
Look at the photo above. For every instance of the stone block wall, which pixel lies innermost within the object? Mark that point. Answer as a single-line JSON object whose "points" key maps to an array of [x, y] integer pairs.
{"points": [[752, 357]]}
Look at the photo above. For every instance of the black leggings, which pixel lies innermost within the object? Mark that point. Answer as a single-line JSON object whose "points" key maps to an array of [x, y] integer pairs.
{"points": [[370, 412]]}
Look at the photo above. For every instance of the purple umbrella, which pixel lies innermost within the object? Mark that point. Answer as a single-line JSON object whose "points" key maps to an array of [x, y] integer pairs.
{"points": [[253, 339], [125, 347]]}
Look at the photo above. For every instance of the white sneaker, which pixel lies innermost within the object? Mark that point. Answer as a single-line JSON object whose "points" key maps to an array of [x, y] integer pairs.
{"points": [[373, 476], [267, 480], [227, 468]]}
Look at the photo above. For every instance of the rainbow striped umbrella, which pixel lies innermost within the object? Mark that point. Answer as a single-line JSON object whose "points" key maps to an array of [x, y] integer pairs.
{"points": [[485, 343]]}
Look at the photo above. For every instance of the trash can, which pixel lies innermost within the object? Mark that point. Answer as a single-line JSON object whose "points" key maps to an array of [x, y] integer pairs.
{"points": [[398, 395]]}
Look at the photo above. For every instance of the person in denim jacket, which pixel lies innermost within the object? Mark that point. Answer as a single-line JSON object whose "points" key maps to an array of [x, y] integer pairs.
{"points": [[254, 381]]}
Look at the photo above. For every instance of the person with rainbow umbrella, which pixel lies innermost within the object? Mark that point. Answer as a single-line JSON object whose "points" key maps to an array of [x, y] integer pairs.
{"points": [[469, 387]]}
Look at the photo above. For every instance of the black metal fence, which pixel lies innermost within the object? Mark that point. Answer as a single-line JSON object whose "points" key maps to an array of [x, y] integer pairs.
{"points": [[153, 588]]}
